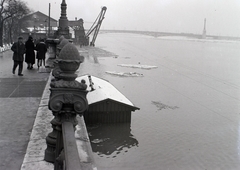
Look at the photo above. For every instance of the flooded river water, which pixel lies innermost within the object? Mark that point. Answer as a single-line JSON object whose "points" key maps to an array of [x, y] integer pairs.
{"points": [[189, 105]]}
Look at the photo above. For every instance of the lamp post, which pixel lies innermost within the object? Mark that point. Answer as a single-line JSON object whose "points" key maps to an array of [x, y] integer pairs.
{"points": [[34, 27], [49, 11], [46, 27]]}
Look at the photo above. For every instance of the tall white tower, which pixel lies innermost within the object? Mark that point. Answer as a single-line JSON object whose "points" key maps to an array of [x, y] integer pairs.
{"points": [[204, 30]]}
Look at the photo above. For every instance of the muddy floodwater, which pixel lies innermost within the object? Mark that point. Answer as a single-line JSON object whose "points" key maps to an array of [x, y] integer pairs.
{"points": [[189, 102]]}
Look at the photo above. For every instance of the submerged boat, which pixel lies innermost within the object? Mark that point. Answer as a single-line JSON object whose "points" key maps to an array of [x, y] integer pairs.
{"points": [[106, 103]]}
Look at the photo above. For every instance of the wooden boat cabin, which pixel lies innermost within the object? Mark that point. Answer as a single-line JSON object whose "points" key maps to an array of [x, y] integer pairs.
{"points": [[106, 103]]}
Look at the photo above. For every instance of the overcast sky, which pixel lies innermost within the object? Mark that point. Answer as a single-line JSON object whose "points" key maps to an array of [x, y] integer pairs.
{"points": [[223, 16]]}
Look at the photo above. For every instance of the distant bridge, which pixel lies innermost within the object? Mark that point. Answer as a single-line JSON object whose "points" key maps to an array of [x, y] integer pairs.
{"points": [[150, 33], [160, 34]]}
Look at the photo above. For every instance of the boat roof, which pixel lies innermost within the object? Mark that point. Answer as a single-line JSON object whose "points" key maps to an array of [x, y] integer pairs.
{"points": [[103, 90]]}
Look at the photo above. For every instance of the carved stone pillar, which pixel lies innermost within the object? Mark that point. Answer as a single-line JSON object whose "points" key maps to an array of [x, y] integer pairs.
{"points": [[67, 99]]}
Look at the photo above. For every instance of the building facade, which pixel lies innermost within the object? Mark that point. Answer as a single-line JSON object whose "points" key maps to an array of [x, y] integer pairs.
{"points": [[37, 25]]}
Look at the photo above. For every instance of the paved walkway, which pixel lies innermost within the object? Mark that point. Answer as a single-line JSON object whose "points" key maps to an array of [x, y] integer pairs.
{"points": [[19, 101]]}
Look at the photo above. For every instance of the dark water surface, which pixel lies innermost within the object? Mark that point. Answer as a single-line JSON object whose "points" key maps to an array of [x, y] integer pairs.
{"points": [[189, 105]]}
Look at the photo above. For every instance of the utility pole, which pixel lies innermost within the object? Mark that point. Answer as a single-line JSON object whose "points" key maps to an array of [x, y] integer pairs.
{"points": [[49, 19]]}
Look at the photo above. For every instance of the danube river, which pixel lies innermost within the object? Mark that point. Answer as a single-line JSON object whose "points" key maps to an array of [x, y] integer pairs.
{"points": [[189, 115]]}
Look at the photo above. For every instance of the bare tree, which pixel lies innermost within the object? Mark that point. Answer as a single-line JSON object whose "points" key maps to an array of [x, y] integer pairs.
{"points": [[11, 11], [2, 11]]}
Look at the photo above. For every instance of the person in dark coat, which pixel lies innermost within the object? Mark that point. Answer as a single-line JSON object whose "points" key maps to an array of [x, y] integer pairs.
{"points": [[30, 54], [18, 49], [41, 48]]}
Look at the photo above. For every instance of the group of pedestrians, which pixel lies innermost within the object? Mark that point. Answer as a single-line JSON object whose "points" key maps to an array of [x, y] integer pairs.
{"points": [[29, 48]]}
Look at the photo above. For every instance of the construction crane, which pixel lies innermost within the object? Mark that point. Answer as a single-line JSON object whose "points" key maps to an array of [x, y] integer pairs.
{"points": [[96, 26]]}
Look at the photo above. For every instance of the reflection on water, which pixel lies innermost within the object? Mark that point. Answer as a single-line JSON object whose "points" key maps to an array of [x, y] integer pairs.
{"points": [[111, 139]]}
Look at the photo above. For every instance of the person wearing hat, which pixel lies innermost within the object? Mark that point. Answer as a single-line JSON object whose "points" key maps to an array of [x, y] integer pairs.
{"points": [[18, 49], [30, 54]]}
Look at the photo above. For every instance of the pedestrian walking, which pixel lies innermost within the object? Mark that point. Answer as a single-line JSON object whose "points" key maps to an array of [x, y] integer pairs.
{"points": [[41, 48], [18, 49], [30, 54]]}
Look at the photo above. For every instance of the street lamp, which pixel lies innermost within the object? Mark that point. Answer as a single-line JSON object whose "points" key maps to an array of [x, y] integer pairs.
{"points": [[46, 27], [34, 26], [49, 11]]}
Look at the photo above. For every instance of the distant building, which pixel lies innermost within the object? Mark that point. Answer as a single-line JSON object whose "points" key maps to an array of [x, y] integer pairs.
{"points": [[76, 25], [78, 31], [36, 24]]}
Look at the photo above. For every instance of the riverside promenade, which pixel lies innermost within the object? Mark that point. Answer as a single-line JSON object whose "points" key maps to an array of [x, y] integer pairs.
{"points": [[25, 119], [19, 101]]}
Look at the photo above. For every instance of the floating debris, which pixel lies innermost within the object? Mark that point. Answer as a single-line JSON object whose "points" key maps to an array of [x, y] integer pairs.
{"points": [[161, 106], [125, 74], [137, 66]]}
